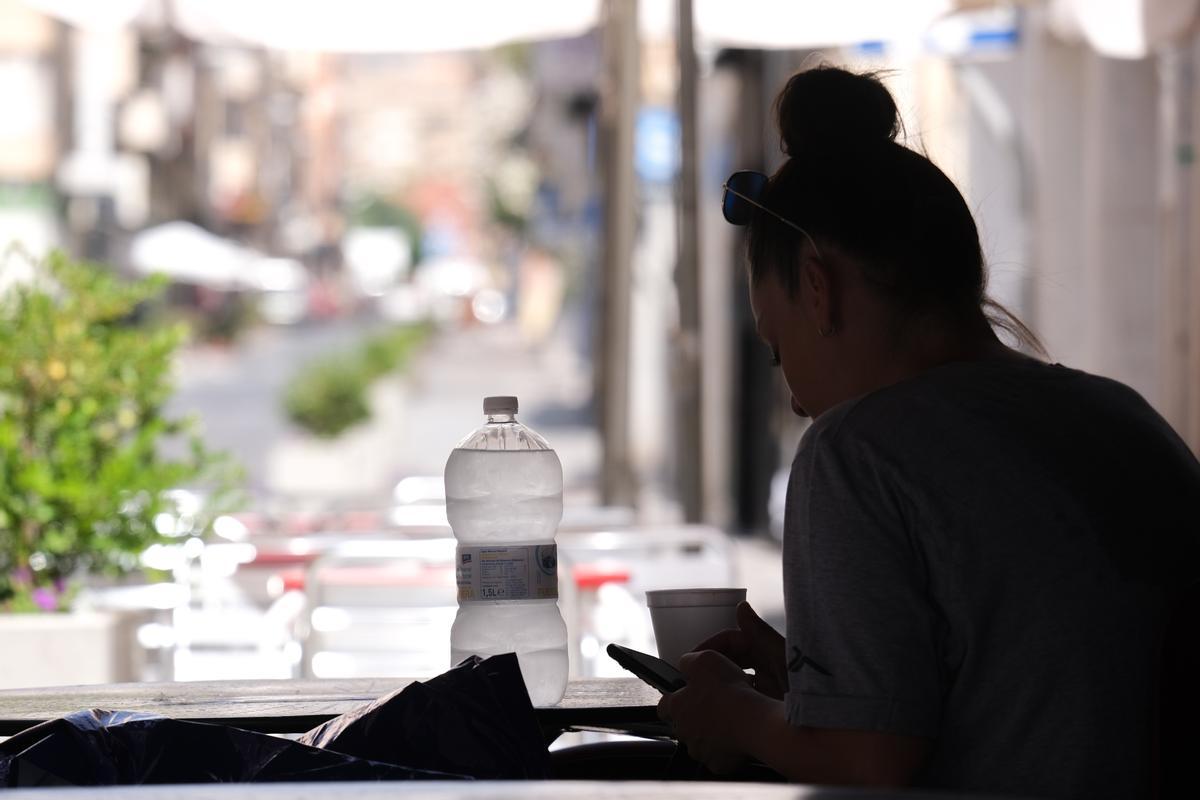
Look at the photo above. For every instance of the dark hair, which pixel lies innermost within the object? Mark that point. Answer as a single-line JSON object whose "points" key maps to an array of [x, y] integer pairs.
{"points": [[853, 187]]}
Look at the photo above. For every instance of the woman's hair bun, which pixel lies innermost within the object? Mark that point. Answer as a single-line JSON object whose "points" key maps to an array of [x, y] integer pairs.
{"points": [[830, 108]]}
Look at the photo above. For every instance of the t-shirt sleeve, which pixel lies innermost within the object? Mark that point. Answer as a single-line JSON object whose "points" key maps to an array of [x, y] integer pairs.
{"points": [[861, 631]]}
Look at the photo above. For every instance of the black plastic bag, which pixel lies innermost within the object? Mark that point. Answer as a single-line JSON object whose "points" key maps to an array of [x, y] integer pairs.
{"points": [[472, 721], [476, 719], [105, 748]]}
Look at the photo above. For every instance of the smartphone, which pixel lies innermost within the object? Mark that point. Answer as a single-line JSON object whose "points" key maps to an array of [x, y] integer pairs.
{"points": [[652, 670]]}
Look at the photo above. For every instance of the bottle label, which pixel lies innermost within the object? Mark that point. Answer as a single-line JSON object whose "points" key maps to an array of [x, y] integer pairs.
{"points": [[515, 572]]}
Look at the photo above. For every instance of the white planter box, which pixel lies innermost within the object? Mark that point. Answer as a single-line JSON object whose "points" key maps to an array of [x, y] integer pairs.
{"points": [[67, 649]]}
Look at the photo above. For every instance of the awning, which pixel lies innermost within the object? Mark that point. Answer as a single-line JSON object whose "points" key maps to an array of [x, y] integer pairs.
{"points": [[797, 24], [1118, 28], [187, 253], [344, 26], [391, 26], [1125, 28]]}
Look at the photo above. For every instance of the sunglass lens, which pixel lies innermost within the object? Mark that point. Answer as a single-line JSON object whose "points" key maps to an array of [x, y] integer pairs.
{"points": [[747, 184], [733, 208]]}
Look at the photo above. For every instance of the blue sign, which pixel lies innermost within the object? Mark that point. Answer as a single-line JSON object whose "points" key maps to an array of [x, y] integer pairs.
{"points": [[656, 145]]}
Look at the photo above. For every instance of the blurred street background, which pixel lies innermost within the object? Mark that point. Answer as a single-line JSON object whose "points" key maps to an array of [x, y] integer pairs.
{"points": [[371, 215]]}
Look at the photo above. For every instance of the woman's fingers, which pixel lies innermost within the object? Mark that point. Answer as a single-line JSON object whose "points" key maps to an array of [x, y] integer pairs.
{"points": [[700, 714], [747, 617], [731, 643], [754, 626], [709, 666], [740, 644], [664, 707], [765, 652]]}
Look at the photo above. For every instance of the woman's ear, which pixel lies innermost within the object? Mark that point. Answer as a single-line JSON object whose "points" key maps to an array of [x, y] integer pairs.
{"points": [[817, 293]]}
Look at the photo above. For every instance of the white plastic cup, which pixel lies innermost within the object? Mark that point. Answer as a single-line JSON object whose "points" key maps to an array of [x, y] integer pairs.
{"points": [[683, 618]]}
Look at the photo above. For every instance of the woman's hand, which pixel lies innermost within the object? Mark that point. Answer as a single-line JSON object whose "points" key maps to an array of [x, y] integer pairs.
{"points": [[711, 714], [755, 645], [723, 721]]}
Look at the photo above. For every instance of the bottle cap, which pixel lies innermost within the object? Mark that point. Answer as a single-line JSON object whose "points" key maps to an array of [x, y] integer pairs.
{"points": [[503, 404]]}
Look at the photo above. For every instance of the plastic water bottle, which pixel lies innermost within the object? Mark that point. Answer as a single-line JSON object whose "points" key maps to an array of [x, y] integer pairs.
{"points": [[504, 500]]}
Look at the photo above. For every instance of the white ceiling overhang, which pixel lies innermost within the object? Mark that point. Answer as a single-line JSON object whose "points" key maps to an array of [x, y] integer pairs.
{"points": [[1117, 28]]}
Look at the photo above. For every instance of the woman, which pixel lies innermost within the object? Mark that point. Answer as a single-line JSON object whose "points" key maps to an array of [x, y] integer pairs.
{"points": [[981, 549]]}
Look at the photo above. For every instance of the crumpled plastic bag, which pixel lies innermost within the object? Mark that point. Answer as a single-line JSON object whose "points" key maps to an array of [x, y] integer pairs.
{"points": [[106, 748], [473, 721], [476, 719]]}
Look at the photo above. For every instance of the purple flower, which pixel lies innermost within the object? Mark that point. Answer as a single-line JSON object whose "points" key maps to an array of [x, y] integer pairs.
{"points": [[21, 575], [46, 600]]}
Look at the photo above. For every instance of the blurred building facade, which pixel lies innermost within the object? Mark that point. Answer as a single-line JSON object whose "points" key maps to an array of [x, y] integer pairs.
{"points": [[1078, 162], [1079, 165], [30, 133]]}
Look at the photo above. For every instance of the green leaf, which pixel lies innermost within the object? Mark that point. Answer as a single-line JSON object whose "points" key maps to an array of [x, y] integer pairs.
{"points": [[84, 388]]}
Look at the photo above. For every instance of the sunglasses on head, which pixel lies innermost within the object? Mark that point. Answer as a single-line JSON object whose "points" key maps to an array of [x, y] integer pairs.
{"points": [[741, 198]]}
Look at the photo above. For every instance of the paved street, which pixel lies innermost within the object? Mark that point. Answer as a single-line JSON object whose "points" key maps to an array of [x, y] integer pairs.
{"points": [[237, 392], [417, 418]]}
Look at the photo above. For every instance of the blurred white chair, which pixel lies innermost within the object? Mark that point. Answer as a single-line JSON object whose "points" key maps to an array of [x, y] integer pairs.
{"points": [[380, 608]]}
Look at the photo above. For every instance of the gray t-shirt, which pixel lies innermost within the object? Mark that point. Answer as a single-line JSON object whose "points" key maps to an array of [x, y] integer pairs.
{"points": [[980, 555]]}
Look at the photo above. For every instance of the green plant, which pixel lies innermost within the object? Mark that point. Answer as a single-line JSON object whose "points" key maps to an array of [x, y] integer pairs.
{"points": [[512, 191], [84, 434], [329, 396], [389, 352], [228, 320], [372, 211]]}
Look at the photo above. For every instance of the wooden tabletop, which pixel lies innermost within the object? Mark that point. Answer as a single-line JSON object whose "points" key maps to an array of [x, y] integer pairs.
{"points": [[294, 706]]}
